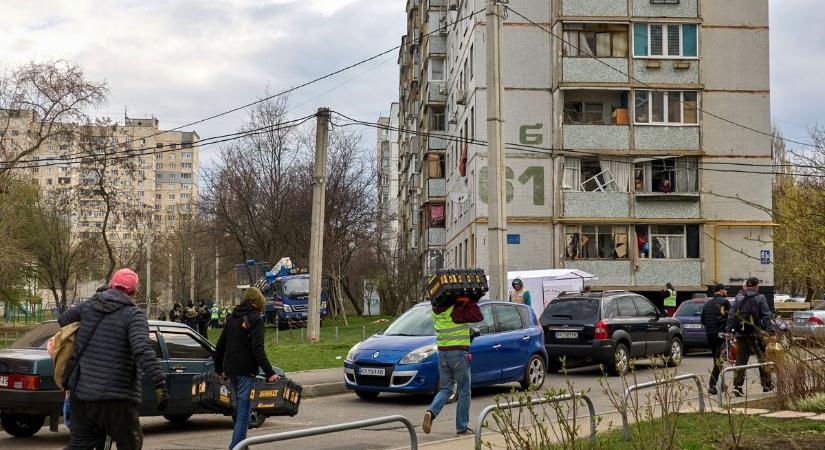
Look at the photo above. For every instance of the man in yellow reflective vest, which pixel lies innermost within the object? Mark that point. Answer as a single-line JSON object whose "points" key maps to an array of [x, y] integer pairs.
{"points": [[670, 301], [453, 340]]}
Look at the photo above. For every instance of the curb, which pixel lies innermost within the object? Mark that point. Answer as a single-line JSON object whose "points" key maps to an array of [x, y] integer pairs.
{"points": [[323, 390]]}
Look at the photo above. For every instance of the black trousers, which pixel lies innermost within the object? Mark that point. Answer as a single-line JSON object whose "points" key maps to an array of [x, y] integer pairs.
{"points": [[747, 345], [203, 328], [716, 344], [93, 421]]}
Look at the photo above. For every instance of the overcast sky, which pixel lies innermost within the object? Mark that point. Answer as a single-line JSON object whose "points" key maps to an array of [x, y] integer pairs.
{"points": [[183, 60]]}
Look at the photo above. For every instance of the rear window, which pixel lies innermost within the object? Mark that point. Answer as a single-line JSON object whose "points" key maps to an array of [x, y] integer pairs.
{"points": [[690, 309], [38, 337], [578, 308]]}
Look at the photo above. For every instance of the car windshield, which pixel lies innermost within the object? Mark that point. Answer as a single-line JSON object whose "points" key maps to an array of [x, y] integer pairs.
{"points": [[577, 308], [416, 322], [38, 337], [296, 286], [690, 309]]}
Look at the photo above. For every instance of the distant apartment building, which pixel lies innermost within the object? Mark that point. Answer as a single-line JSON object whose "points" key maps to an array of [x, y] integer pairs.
{"points": [[616, 163], [387, 175], [160, 185]]}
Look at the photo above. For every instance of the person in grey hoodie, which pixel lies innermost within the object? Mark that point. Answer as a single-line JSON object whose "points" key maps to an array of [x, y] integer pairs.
{"points": [[750, 322], [111, 347]]}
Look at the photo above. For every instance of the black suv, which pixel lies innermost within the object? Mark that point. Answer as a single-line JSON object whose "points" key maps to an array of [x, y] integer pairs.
{"points": [[608, 328]]}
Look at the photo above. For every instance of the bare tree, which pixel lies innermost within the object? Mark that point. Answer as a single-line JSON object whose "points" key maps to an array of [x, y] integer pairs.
{"points": [[37, 100]]}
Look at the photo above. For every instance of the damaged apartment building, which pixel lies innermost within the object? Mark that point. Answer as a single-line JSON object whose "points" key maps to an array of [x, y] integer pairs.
{"points": [[629, 127]]}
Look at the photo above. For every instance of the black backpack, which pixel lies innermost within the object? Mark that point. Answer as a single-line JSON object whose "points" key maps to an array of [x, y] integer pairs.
{"points": [[746, 315]]}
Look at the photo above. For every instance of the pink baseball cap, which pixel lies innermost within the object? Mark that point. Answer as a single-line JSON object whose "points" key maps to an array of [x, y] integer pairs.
{"points": [[125, 280]]}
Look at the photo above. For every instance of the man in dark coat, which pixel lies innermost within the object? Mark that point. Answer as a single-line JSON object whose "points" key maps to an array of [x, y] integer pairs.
{"points": [[714, 319], [750, 321], [203, 319], [239, 354], [111, 348]]}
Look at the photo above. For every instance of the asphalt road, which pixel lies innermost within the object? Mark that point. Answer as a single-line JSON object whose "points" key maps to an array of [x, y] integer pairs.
{"points": [[214, 432]]}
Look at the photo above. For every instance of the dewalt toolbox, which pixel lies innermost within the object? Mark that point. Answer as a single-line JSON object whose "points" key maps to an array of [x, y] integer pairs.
{"points": [[280, 398], [446, 284], [212, 392]]}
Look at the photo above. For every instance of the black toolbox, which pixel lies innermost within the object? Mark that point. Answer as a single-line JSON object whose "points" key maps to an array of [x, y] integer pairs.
{"points": [[212, 392], [446, 284], [280, 398]]}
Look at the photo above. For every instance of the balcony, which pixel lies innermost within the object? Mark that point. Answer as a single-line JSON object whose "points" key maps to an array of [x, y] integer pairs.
{"points": [[592, 70], [652, 137], [596, 204], [670, 71], [436, 3], [680, 272], [436, 189], [436, 237], [436, 43], [436, 143], [596, 120], [610, 272], [682, 8], [436, 92], [594, 8], [585, 42]]}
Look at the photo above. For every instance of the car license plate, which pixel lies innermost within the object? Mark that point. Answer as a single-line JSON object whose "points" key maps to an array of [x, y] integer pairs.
{"points": [[801, 321], [693, 326], [4, 381], [567, 335], [371, 371]]}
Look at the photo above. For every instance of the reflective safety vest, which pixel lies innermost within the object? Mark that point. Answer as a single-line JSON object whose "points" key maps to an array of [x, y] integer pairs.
{"points": [[670, 301], [216, 313], [449, 333]]}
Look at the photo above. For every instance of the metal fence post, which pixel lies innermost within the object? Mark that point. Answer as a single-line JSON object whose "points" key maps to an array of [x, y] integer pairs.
{"points": [[720, 383], [630, 389]]}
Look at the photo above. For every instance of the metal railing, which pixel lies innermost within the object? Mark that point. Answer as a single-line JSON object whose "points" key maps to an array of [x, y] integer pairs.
{"points": [[287, 435], [675, 379], [720, 383], [538, 401]]}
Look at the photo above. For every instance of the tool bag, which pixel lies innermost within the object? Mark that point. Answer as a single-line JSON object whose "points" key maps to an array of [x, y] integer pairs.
{"points": [[279, 398]]}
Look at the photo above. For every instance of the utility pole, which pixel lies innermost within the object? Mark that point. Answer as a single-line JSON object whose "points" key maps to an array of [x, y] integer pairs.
{"points": [[496, 157], [192, 277], [169, 282], [149, 277], [217, 274], [316, 243]]}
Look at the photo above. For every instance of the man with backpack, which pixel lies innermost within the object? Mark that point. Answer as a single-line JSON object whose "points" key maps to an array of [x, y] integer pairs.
{"points": [[750, 320], [203, 319], [239, 354], [103, 376], [714, 319]]}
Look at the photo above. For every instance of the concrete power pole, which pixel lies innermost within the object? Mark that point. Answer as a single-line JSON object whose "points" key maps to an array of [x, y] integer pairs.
{"points": [[496, 156], [149, 278], [316, 246], [192, 277], [217, 275]]}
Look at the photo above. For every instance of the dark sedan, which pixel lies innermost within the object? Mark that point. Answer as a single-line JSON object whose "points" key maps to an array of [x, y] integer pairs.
{"points": [[28, 394]]}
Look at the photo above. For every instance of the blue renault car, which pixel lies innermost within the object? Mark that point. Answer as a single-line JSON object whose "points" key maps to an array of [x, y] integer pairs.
{"points": [[508, 346]]}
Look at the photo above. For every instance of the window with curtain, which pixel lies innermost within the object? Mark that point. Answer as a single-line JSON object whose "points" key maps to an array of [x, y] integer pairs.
{"points": [[599, 40], [668, 241], [666, 107], [596, 242], [666, 175]]}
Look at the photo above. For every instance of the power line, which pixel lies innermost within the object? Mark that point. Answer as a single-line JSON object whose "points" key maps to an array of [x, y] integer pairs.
{"points": [[565, 152], [696, 107], [415, 41], [133, 153]]}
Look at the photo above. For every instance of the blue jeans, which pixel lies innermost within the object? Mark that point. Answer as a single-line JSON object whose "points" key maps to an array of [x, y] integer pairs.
{"points": [[454, 367], [242, 385]]}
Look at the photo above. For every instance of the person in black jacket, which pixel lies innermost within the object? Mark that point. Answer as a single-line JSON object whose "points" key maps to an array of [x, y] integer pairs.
{"points": [[750, 320], [203, 319], [239, 354], [714, 318], [111, 348]]}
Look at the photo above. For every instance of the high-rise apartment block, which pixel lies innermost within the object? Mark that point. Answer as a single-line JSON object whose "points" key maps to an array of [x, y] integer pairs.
{"points": [[387, 168], [629, 127]]}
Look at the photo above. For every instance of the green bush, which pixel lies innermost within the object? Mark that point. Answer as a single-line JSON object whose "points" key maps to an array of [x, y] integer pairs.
{"points": [[814, 403]]}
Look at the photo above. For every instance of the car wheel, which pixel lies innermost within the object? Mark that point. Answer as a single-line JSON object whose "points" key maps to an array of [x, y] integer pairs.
{"points": [[177, 418], [621, 360], [256, 419], [534, 373], [367, 395], [675, 353], [22, 425]]}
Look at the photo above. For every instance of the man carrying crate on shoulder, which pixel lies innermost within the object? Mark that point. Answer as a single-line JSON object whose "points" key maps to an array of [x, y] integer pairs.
{"points": [[239, 354]]}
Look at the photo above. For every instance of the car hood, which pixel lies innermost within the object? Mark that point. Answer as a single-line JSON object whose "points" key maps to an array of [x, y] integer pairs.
{"points": [[395, 343]]}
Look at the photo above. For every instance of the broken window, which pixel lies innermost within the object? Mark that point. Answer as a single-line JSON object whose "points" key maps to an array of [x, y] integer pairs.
{"points": [[591, 113], [667, 175], [590, 40], [596, 242], [668, 241]]}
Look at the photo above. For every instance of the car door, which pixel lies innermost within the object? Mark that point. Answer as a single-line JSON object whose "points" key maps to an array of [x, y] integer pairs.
{"points": [[630, 321], [484, 367], [188, 355], [512, 339], [655, 324], [147, 407]]}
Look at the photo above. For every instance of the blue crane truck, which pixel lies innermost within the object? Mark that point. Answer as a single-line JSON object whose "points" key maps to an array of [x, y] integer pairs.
{"points": [[286, 289]]}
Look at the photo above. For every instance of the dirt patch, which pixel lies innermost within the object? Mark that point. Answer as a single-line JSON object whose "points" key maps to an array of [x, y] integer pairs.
{"points": [[808, 440]]}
